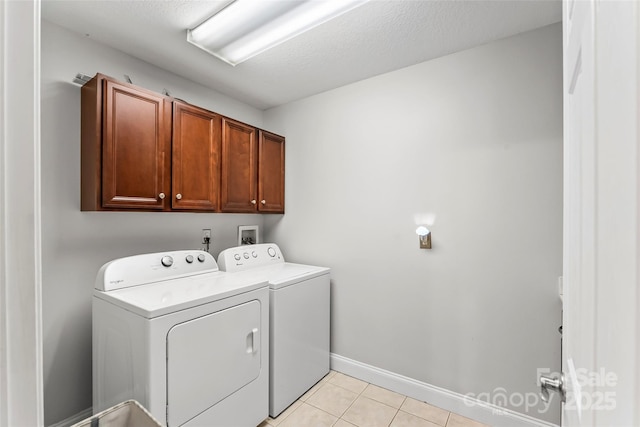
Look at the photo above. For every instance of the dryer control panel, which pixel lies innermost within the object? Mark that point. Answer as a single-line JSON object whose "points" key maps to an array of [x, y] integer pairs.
{"points": [[246, 257], [148, 268]]}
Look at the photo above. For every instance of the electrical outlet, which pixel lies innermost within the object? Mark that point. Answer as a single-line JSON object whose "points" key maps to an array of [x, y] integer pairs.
{"points": [[206, 235]]}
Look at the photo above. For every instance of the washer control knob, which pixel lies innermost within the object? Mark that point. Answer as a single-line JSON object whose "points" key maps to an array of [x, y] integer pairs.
{"points": [[167, 261], [271, 251], [201, 257], [189, 259], [237, 257], [254, 254], [245, 255]]}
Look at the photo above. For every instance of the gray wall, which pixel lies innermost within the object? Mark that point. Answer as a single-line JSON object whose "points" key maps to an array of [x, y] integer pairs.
{"points": [[75, 244], [470, 144]]}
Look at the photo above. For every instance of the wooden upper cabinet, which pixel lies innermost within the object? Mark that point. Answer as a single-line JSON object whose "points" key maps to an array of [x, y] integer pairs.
{"points": [[196, 158], [239, 167], [144, 151], [252, 169], [270, 173], [125, 146]]}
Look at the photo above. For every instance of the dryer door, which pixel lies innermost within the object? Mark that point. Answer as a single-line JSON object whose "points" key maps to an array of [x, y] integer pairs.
{"points": [[210, 358]]}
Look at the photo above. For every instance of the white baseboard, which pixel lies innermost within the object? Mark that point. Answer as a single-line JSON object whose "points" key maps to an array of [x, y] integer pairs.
{"points": [[87, 413], [463, 405]]}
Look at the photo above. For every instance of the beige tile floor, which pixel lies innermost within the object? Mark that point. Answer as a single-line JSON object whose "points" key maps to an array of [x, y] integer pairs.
{"points": [[339, 400]]}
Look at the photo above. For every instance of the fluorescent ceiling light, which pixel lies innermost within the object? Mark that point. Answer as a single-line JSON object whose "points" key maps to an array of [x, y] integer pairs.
{"points": [[246, 28]]}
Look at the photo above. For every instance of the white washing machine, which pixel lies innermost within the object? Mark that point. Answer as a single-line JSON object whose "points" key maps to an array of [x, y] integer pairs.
{"points": [[190, 343], [298, 316]]}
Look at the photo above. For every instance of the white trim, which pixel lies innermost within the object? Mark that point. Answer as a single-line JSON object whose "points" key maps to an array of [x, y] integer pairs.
{"points": [[74, 419], [4, 395], [21, 360], [445, 399]]}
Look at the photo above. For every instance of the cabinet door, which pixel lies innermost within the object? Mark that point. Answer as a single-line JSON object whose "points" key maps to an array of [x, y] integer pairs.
{"points": [[135, 148], [239, 167], [195, 175], [270, 173]]}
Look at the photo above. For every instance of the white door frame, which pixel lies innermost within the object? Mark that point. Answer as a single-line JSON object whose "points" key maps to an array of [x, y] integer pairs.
{"points": [[617, 62], [21, 378], [579, 210]]}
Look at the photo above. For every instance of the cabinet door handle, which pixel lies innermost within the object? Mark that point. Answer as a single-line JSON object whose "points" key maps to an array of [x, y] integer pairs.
{"points": [[178, 196], [253, 202], [264, 202], [161, 196]]}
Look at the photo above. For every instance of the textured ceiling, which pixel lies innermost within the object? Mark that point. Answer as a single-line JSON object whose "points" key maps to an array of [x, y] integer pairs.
{"points": [[381, 36]]}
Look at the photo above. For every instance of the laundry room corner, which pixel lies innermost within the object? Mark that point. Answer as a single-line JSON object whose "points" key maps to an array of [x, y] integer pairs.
{"points": [[470, 146]]}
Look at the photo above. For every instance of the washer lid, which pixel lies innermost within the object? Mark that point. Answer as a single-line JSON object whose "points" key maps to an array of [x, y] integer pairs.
{"points": [[291, 273], [282, 275], [160, 298]]}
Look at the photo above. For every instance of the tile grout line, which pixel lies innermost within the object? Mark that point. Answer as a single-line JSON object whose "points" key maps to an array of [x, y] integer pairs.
{"points": [[361, 394], [394, 417], [354, 400], [321, 384], [432, 421], [386, 404], [321, 410], [448, 417], [326, 412], [370, 398], [398, 411], [286, 416]]}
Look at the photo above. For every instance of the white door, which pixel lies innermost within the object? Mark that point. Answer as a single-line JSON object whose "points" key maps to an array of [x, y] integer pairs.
{"points": [[601, 343], [210, 358]]}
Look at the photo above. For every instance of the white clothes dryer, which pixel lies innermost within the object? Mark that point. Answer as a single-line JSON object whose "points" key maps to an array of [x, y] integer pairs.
{"points": [[190, 343], [299, 318]]}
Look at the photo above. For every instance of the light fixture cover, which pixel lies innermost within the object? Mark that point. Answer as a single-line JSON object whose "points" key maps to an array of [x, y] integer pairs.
{"points": [[424, 236], [422, 231], [246, 28]]}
